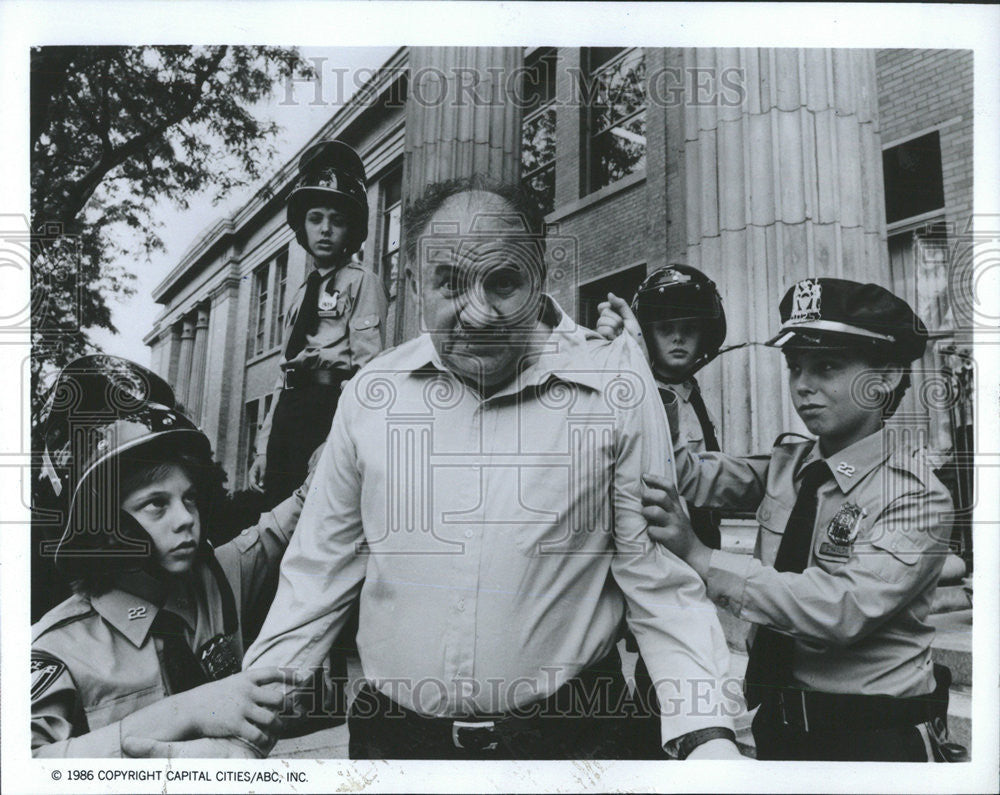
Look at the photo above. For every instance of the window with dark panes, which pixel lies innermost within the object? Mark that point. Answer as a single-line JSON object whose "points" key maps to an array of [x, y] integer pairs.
{"points": [[538, 128], [616, 119], [392, 208], [914, 182], [624, 283], [280, 286]]}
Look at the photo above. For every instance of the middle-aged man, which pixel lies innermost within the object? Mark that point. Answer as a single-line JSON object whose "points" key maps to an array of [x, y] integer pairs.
{"points": [[480, 493]]}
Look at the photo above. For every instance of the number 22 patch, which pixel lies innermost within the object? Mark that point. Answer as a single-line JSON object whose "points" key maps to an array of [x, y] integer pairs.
{"points": [[44, 671]]}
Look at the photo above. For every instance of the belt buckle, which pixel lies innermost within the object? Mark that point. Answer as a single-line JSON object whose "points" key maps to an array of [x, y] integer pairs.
{"points": [[458, 725]]}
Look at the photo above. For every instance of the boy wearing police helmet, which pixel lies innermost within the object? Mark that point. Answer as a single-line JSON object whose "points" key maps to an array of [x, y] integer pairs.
{"points": [[150, 644], [676, 316], [336, 320], [853, 535]]}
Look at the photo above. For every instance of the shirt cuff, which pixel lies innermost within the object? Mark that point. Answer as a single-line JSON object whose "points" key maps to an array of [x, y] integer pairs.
{"points": [[727, 579]]}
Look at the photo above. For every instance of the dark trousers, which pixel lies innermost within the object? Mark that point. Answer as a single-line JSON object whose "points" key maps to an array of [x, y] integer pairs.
{"points": [[777, 741], [301, 423], [585, 719]]}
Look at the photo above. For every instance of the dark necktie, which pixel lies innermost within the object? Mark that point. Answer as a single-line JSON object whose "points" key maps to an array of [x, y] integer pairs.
{"points": [[704, 521], [307, 320], [772, 655], [707, 428], [180, 665]]}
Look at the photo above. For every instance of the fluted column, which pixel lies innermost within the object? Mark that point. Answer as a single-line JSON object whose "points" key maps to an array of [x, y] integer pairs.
{"points": [[460, 120], [197, 383], [781, 184], [184, 361]]}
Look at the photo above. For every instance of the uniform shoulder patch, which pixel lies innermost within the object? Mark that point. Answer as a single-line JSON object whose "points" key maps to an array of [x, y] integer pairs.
{"points": [[44, 671]]}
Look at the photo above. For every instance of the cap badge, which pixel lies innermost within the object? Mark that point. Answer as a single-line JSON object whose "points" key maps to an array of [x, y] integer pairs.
{"points": [[845, 469], [844, 526], [327, 179], [806, 301]]}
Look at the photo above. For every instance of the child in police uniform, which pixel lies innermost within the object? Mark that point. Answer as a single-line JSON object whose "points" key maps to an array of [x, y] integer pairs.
{"points": [[151, 644], [677, 317], [336, 321], [853, 535]]}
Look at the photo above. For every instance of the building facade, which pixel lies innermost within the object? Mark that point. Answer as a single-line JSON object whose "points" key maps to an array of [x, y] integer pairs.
{"points": [[759, 166]]}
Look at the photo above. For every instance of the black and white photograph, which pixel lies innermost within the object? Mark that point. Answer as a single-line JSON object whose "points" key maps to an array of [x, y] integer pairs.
{"points": [[395, 404]]}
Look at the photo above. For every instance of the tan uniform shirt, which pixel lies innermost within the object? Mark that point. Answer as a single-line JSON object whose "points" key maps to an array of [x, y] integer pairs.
{"points": [[688, 427], [351, 330], [858, 612], [94, 661]]}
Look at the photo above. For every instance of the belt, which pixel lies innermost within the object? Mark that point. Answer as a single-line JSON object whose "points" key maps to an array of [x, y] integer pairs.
{"points": [[809, 710], [484, 732], [299, 377]]}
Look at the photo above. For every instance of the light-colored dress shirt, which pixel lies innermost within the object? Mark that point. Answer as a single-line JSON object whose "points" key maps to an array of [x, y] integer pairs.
{"points": [[481, 532]]}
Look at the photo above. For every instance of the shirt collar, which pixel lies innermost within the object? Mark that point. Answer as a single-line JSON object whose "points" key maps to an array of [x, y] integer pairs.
{"points": [[850, 465], [131, 615], [559, 357], [683, 390], [132, 606]]}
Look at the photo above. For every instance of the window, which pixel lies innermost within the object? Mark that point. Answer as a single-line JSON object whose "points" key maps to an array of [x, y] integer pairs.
{"points": [[616, 118], [280, 285], [538, 129], [392, 208], [267, 304], [258, 309], [914, 183], [623, 284], [251, 420]]}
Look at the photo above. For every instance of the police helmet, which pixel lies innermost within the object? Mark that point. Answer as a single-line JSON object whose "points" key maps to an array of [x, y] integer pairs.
{"points": [[330, 173], [680, 292], [105, 415]]}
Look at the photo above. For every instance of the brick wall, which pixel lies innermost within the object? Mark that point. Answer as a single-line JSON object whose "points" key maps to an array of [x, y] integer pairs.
{"points": [[921, 89]]}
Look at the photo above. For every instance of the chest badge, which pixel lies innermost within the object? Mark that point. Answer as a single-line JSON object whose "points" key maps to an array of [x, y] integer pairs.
{"points": [[844, 526], [328, 302]]}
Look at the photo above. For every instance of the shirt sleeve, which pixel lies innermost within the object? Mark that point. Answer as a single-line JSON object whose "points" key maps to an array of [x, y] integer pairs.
{"points": [[367, 323], [676, 626], [322, 570], [257, 551], [56, 715], [717, 480], [900, 557]]}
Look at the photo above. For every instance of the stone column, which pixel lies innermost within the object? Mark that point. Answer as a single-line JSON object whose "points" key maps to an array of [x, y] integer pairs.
{"points": [[196, 386], [181, 389], [783, 180], [460, 120], [221, 405], [173, 355]]}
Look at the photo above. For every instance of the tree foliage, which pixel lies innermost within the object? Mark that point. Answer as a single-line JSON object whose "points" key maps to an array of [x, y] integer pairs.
{"points": [[113, 131]]}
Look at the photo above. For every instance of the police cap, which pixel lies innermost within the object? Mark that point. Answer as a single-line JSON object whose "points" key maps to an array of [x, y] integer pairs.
{"points": [[839, 313]]}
